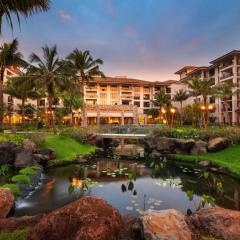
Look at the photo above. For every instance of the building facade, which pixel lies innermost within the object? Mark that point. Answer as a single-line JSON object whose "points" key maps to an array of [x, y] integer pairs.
{"points": [[224, 69]]}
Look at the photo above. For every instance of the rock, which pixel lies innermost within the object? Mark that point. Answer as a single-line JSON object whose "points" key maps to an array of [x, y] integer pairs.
{"points": [[41, 159], [85, 219], [7, 152], [11, 224], [47, 152], [156, 154], [217, 144], [204, 163], [217, 222], [167, 224], [184, 146], [166, 145], [199, 148], [6, 202], [30, 145], [23, 157]]}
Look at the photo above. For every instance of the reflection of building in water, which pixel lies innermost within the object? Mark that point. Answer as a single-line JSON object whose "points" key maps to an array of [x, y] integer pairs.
{"points": [[129, 150], [235, 198], [99, 171]]}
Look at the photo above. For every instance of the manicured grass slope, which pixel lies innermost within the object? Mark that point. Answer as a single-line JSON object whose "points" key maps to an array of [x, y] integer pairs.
{"points": [[228, 158], [67, 148]]}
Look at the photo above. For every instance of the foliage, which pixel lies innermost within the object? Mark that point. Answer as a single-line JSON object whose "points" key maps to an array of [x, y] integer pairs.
{"points": [[37, 138], [21, 179], [21, 8], [9, 137], [21, 234], [78, 133], [4, 169], [162, 99], [13, 187], [32, 171]]}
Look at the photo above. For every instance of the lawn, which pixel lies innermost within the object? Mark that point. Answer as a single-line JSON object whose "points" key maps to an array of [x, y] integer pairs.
{"points": [[67, 148], [228, 158]]}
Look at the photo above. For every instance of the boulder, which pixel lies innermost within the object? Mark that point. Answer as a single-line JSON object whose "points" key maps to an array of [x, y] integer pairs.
{"points": [[7, 152], [165, 225], [27, 143], [85, 219], [13, 223], [6, 202], [184, 146], [204, 163], [41, 159], [217, 144], [199, 148], [217, 222], [166, 145], [47, 152], [23, 157]]}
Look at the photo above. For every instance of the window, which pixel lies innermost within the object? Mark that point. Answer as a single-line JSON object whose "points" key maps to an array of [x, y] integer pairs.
{"points": [[103, 101], [211, 100], [137, 104], [168, 90], [146, 97], [103, 88], [42, 102], [146, 104], [136, 89], [146, 90], [103, 96], [126, 102], [137, 96], [114, 95]]}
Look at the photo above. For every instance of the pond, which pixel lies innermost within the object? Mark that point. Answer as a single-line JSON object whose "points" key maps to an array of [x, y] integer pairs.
{"points": [[132, 187]]}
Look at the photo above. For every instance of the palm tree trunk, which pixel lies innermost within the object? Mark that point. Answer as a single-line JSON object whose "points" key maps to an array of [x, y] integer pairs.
{"points": [[1, 99], [52, 120], [23, 112], [83, 123], [181, 117]]}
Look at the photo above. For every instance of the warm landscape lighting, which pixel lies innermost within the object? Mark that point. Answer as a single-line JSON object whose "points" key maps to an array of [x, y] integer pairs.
{"points": [[173, 110]]}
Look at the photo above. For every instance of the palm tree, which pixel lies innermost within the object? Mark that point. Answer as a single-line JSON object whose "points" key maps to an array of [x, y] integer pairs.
{"points": [[162, 100], [9, 56], [225, 91], [194, 87], [23, 8], [180, 96], [87, 68], [22, 90], [48, 75]]}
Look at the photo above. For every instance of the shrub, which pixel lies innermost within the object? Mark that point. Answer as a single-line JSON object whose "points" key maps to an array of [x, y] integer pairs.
{"points": [[13, 187], [10, 137], [37, 138], [21, 179], [78, 133], [21, 234], [4, 169], [29, 171]]}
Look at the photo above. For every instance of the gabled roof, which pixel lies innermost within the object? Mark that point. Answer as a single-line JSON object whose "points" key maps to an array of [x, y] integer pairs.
{"points": [[185, 68], [233, 52]]}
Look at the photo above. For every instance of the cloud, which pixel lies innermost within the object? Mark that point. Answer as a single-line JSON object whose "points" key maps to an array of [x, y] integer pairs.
{"points": [[64, 16]]}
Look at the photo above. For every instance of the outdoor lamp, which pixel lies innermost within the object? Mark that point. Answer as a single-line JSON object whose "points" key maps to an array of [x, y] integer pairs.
{"points": [[210, 107], [173, 110], [163, 110], [203, 107]]}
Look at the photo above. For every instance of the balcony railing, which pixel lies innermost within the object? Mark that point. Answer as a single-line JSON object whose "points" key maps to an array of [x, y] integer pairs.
{"points": [[224, 76]]}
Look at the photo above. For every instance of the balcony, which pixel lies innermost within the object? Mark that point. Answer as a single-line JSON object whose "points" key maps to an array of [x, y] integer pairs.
{"points": [[225, 76], [225, 66], [126, 96], [91, 96]]}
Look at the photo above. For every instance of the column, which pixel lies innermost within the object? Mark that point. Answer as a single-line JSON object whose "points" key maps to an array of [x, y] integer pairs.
{"points": [[234, 97]]}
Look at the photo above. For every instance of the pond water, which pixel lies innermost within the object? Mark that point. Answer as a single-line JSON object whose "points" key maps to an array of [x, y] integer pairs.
{"points": [[132, 187]]}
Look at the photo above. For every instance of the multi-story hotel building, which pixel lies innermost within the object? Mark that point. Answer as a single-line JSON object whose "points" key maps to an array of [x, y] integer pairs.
{"points": [[224, 69]]}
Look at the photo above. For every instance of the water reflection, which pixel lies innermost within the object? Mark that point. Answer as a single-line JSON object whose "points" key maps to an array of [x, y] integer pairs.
{"points": [[133, 187]]}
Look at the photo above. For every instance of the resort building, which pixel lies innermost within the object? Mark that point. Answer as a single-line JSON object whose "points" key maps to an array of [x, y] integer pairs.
{"points": [[224, 69], [120, 100]]}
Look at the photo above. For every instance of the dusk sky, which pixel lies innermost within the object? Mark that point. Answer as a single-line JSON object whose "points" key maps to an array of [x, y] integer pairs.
{"points": [[144, 39]]}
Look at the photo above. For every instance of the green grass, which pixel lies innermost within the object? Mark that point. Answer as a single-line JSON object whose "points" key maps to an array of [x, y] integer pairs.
{"points": [[67, 148], [31, 171], [228, 158], [15, 235]]}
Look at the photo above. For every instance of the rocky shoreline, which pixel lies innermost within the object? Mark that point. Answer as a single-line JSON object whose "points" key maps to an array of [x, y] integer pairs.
{"points": [[89, 218]]}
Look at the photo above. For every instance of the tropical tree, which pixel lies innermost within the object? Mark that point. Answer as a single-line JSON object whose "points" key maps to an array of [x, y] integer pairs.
{"points": [[162, 100], [180, 96], [72, 103], [19, 8], [225, 91], [87, 68], [20, 89], [194, 87], [153, 112], [9, 56], [49, 75]]}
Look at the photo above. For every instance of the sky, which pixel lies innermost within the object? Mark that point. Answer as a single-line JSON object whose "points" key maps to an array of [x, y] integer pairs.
{"points": [[144, 39]]}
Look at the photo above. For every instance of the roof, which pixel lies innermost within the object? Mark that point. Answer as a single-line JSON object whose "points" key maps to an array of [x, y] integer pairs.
{"points": [[130, 81], [185, 68], [233, 52]]}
